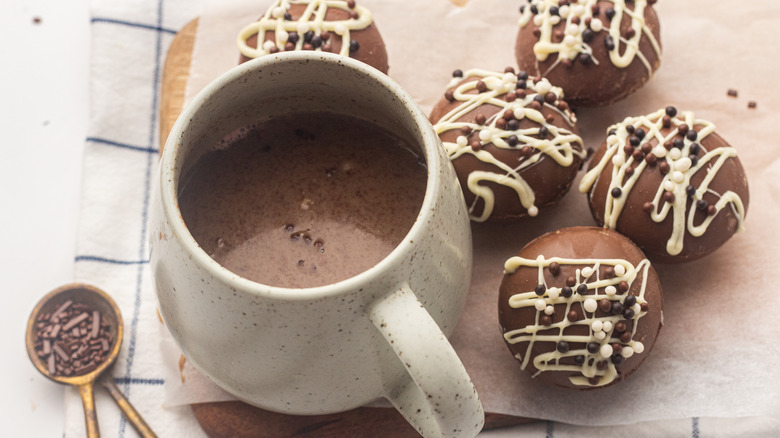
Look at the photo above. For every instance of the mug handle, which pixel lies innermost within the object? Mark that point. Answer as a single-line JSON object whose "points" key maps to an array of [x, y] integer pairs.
{"points": [[438, 397]]}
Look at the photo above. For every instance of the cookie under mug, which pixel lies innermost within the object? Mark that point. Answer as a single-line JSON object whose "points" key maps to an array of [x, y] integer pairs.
{"points": [[379, 334]]}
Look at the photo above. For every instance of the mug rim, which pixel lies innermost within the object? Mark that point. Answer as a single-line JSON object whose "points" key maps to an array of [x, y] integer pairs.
{"points": [[171, 156]]}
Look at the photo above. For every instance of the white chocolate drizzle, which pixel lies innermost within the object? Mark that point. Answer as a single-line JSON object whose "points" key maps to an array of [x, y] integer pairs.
{"points": [[601, 329], [312, 19], [682, 205], [563, 147], [580, 21]]}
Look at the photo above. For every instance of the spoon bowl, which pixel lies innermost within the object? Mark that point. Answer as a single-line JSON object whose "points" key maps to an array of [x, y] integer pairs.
{"points": [[100, 301]]}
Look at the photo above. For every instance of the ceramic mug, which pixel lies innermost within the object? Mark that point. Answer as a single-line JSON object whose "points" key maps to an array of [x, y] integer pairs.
{"points": [[381, 333]]}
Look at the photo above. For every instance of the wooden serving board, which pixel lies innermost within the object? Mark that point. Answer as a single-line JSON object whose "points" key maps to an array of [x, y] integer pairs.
{"points": [[239, 420]]}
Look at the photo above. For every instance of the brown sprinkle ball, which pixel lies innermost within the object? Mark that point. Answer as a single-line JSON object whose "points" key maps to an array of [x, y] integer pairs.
{"points": [[752, 104], [732, 92], [73, 340]]}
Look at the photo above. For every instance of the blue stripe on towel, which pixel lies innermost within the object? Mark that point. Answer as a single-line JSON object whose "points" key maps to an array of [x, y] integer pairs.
{"points": [[89, 258], [127, 379], [695, 427], [103, 141], [157, 28], [138, 381]]}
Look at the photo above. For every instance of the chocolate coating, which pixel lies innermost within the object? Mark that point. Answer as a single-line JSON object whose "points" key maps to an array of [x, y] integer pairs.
{"points": [[585, 71], [568, 352], [370, 46], [525, 163], [694, 196]]}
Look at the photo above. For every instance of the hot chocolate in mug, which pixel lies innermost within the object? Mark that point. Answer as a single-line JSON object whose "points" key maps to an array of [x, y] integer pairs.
{"points": [[380, 332]]}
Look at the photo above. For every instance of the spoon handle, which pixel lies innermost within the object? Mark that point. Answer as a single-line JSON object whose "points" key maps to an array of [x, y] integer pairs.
{"points": [[132, 415], [90, 414]]}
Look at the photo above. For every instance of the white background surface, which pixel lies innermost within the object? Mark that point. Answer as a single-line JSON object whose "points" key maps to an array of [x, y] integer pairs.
{"points": [[44, 112]]}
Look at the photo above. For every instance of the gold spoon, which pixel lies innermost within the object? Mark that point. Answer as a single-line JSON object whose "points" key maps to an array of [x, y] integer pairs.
{"points": [[101, 302]]}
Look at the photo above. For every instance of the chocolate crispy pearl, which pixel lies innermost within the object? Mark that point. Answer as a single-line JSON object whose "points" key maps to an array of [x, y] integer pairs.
{"points": [[723, 199], [578, 329], [365, 43], [587, 74], [531, 132]]}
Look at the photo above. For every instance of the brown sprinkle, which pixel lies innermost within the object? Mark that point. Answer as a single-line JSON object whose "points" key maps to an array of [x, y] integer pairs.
{"points": [[554, 268], [732, 92], [73, 339], [752, 104]]}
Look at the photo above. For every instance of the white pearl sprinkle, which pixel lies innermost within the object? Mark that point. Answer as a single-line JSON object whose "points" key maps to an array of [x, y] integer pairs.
{"points": [[283, 36], [610, 291], [636, 308], [659, 151], [303, 27], [590, 305], [549, 310], [278, 12], [553, 293], [538, 20], [543, 86], [579, 10], [572, 29], [620, 270], [563, 11], [675, 154], [638, 347], [461, 140], [668, 185], [597, 325], [569, 40], [485, 135], [268, 45], [519, 113], [555, 20], [683, 164], [587, 272], [596, 25], [618, 160], [533, 211], [509, 78], [600, 335], [540, 304], [627, 352], [612, 139], [678, 176], [605, 350], [340, 29], [607, 326]]}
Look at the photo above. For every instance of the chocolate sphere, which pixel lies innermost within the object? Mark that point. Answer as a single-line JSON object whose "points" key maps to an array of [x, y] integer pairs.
{"points": [[512, 140], [342, 27], [580, 307], [670, 183], [598, 51]]}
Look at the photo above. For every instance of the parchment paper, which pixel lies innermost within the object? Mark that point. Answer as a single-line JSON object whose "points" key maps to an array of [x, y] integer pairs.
{"points": [[718, 351]]}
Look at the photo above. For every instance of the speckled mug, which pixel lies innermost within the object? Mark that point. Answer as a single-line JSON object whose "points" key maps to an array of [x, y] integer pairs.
{"points": [[381, 333]]}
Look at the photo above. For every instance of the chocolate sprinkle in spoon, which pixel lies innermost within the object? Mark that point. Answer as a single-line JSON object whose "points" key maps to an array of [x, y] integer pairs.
{"points": [[73, 337]]}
